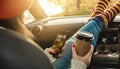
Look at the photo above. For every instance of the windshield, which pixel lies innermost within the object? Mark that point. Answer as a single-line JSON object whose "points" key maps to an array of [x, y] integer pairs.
{"points": [[69, 7], [54, 8]]}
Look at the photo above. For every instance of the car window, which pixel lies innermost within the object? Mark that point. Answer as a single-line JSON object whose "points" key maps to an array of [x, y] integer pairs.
{"points": [[69, 7], [28, 17]]}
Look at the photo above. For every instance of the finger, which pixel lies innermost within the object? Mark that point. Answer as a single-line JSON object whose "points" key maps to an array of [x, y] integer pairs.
{"points": [[63, 49], [59, 55], [74, 50], [89, 54], [50, 50], [92, 49]]}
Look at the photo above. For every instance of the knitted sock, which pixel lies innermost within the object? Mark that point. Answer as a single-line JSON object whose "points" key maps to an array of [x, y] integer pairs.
{"points": [[110, 13], [100, 7]]}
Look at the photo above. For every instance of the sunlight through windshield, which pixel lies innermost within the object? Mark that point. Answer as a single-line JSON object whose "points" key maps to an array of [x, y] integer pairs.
{"points": [[56, 8], [50, 8], [68, 7]]}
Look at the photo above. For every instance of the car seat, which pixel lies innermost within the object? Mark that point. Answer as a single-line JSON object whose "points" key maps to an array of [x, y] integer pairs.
{"points": [[18, 52]]}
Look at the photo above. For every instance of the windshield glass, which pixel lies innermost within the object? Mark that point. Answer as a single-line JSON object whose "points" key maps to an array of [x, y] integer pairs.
{"points": [[55, 8], [69, 7]]}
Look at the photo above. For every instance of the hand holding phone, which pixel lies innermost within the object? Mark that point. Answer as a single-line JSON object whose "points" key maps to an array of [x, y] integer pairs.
{"points": [[59, 42]]}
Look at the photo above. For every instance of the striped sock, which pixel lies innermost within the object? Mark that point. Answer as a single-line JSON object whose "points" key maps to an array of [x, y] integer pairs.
{"points": [[110, 13], [100, 7]]}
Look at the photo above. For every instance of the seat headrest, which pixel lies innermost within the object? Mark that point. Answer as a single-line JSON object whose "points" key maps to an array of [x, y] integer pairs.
{"points": [[16, 52]]}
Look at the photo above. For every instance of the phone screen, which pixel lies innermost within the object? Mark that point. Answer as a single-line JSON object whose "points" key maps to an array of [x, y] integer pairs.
{"points": [[60, 40]]}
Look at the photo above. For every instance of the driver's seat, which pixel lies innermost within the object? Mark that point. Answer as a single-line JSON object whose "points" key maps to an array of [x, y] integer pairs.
{"points": [[18, 52]]}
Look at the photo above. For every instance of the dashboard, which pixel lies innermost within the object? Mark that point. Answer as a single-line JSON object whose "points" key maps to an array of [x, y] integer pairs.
{"points": [[106, 52], [109, 36]]}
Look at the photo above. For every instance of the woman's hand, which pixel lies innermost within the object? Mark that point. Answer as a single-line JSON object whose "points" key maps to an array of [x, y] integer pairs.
{"points": [[54, 52], [51, 50], [86, 59]]}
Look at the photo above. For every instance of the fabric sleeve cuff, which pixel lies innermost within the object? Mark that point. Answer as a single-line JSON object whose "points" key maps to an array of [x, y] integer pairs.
{"points": [[76, 64]]}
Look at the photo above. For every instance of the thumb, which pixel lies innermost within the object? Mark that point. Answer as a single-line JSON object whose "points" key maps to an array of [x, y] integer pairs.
{"points": [[74, 51]]}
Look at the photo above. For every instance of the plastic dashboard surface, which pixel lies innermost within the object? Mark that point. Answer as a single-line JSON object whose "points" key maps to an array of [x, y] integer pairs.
{"points": [[51, 27]]}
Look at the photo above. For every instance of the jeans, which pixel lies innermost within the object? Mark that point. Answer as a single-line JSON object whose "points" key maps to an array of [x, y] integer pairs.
{"points": [[94, 26]]}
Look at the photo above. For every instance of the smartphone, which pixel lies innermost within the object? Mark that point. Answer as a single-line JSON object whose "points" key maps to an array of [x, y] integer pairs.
{"points": [[60, 41]]}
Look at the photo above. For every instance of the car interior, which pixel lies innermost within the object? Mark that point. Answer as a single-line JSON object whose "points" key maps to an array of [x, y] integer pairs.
{"points": [[106, 53]]}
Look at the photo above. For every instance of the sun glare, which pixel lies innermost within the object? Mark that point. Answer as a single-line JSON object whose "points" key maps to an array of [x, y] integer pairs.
{"points": [[50, 8]]}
